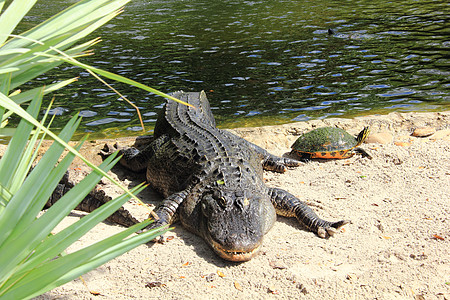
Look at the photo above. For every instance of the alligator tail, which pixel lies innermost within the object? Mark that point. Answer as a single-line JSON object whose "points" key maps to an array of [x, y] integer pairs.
{"points": [[92, 201]]}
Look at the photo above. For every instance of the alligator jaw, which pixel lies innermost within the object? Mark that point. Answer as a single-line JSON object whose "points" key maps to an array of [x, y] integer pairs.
{"points": [[235, 255]]}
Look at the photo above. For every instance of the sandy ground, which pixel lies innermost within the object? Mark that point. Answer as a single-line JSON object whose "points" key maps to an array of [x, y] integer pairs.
{"points": [[396, 247]]}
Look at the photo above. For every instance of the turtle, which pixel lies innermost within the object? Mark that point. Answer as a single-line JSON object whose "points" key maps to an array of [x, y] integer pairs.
{"points": [[329, 143]]}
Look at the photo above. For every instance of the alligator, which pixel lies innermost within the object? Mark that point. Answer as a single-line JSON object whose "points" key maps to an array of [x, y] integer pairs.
{"points": [[212, 181]]}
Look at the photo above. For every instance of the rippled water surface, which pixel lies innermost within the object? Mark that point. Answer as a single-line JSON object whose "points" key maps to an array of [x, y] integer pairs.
{"points": [[265, 62]]}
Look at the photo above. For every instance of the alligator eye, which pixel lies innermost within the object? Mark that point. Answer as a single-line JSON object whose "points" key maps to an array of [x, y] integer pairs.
{"points": [[203, 207], [223, 201]]}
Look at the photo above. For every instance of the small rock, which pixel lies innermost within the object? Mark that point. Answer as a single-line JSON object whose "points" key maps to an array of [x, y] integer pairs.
{"points": [[397, 161], [276, 265], [154, 284], [210, 277], [302, 288], [273, 289], [351, 277], [380, 227], [402, 144], [380, 137], [423, 131]]}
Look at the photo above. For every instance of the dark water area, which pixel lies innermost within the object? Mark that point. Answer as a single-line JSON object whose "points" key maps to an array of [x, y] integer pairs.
{"points": [[263, 62]]}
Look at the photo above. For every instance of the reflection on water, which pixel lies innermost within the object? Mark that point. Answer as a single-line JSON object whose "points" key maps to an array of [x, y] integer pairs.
{"points": [[274, 61]]}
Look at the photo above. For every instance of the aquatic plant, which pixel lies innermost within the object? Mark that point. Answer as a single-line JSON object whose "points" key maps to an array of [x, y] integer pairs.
{"points": [[32, 256]]}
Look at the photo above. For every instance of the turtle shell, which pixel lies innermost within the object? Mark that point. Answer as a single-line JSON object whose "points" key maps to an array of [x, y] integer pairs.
{"points": [[328, 142]]}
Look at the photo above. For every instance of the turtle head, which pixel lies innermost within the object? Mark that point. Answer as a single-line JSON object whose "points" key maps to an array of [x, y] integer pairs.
{"points": [[362, 136]]}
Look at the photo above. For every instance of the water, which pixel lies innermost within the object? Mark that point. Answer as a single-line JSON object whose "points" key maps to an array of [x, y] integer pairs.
{"points": [[264, 62]]}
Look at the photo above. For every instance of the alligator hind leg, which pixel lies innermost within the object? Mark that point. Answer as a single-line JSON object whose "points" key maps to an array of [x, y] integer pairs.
{"points": [[278, 164], [272, 162], [134, 159], [288, 205]]}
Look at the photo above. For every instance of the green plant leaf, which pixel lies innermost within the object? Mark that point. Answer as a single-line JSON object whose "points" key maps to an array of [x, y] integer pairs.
{"points": [[54, 273], [5, 82], [5, 195], [4, 132], [12, 16], [28, 95], [24, 57], [27, 158], [75, 17], [29, 233], [27, 247], [17, 208], [55, 244], [9, 104], [9, 162]]}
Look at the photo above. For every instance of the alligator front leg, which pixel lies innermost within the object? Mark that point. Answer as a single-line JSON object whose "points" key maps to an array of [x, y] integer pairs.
{"points": [[288, 205], [167, 211]]}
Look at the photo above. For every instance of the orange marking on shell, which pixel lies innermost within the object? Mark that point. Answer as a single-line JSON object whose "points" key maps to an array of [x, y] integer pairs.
{"points": [[333, 154]]}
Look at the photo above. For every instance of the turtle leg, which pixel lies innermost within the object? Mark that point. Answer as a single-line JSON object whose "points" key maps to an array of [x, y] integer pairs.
{"points": [[363, 153], [306, 157], [288, 205], [347, 154]]}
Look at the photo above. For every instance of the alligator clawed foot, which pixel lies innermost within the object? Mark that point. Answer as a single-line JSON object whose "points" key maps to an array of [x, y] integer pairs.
{"points": [[161, 239], [109, 149], [279, 164], [325, 232], [290, 162]]}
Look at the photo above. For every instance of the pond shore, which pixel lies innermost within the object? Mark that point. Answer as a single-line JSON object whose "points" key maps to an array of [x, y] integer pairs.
{"points": [[396, 246]]}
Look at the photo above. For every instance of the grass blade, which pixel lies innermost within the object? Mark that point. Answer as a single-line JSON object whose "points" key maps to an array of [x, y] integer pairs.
{"points": [[16, 208], [12, 16], [10, 105], [10, 160], [27, 95], [25, 239], [55, 244], [51, 274]]}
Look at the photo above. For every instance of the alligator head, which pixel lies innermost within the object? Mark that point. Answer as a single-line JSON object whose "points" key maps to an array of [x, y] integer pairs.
{"points": [[231, 219]]}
